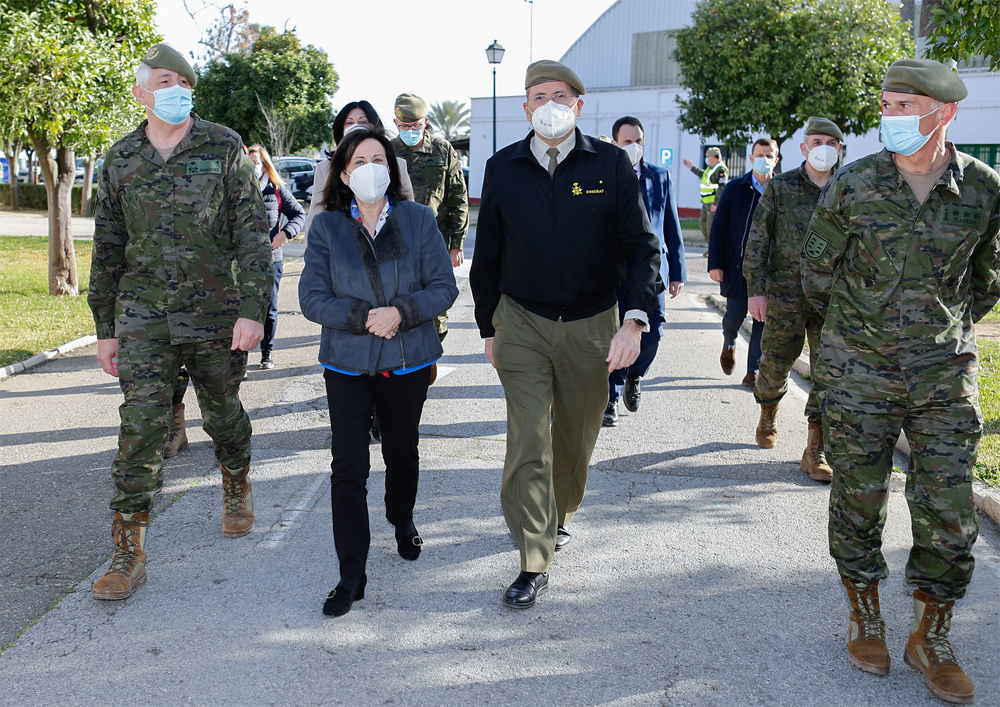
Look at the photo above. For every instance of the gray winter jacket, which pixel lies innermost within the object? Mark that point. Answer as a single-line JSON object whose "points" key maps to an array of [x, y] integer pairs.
{"points": [[346, 274]]}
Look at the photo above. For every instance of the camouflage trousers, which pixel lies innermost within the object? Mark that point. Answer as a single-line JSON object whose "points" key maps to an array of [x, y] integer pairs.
{"points": [[705, 220], [147, 373], [785, 330], [860, 437], [441, 324]]}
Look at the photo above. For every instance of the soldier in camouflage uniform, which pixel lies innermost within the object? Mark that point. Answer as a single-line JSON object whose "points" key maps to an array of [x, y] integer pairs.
{"points": [[774, 286], [181, 274], [437, 178], [902, 257]]}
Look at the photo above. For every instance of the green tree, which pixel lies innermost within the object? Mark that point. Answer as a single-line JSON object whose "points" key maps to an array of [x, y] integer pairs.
{"points": [[765, 66], [279, 95], [450, 119], [963, 29], [65, 72]]}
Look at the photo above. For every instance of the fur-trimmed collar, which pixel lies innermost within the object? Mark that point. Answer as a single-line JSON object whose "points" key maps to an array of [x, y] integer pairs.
{"points": [[387, 247]]}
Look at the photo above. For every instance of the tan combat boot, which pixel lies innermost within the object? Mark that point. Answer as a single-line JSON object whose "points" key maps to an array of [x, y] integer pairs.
{"points": [[814, 457], [866, 647], [237, 503], [929, 651], [128, 563], [177, 439], [767, 428]]}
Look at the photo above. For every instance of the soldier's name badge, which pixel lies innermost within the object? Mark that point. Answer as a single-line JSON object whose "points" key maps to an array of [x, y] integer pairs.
{"points": [[204, 167], [959, 215], [816, 245]]}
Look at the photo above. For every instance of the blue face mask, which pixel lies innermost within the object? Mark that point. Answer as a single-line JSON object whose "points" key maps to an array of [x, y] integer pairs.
{"points": [[901, 133], [411, 137], [172, 105], [763, 165]]}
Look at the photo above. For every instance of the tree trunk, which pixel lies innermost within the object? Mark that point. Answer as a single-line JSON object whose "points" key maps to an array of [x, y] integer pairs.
{"points": [[12, 148], [87, 197], [59, 174]]}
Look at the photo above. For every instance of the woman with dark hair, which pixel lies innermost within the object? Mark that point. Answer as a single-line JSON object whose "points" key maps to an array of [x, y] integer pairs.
{"points": [[376, 274]]}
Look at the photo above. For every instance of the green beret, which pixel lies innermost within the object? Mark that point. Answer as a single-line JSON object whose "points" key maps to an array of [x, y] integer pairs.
{"points": [[713, 152], [164, 56], [925, 77], [548, 70], [410, 107], [823, 126]]}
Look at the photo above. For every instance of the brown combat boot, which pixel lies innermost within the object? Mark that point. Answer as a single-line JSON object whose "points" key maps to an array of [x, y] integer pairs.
{"points": [[237, 503], [866, 647], [128, 563], [177, 439], [814, 457], [767, 428], [929, 651]]}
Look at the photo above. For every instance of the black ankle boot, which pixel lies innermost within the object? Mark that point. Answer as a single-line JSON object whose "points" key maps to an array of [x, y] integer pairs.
{"points": [[408, 542], [338, 602]]}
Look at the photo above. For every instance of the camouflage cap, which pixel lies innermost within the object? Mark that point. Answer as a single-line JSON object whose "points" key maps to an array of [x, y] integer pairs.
{"points": [[548, 70], [410, 107], [713, 152], [164, 56], [823, 126], [925, 77]]}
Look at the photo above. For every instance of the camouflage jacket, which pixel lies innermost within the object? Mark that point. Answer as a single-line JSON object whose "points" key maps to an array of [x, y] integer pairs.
{"points": [[437, 180], [181, 248], [901, 283], [771, 258]]}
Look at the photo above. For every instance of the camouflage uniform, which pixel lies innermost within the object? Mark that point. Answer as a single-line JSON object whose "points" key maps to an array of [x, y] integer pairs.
{"points": [[720, 177], [181, 250], [438, 182], [771, 269], [901, 285]]}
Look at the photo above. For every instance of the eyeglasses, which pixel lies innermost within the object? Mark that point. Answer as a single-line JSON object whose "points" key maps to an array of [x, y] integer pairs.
{"points": [[566, 99], [411, 126]]}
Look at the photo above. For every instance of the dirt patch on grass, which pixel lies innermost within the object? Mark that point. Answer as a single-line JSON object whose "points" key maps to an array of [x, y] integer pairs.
{"points": [[988, 330]]}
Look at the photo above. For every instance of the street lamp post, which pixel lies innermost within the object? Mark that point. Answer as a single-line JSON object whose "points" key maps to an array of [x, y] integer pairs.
{"points": [[494, 54], [531, 31]]}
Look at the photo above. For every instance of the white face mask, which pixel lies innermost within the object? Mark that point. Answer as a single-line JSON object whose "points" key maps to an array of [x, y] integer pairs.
{"points": [[553, 120], [634, 152], [355, 126], [764, 165], [823, 157], [369, 182]]}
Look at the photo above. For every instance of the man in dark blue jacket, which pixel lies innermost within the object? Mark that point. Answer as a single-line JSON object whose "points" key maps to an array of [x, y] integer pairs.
{"points": [[561, 227], [726, 246], [658, 197]]}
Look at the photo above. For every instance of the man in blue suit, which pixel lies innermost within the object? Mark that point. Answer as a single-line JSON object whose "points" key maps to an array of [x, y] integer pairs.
{"points": [[658, 196]]}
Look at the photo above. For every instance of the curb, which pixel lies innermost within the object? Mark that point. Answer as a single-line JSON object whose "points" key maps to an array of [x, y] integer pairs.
{"points": [[987, 497], [8, 371]]}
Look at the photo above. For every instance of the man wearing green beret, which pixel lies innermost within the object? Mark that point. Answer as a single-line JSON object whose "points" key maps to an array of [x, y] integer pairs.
{"points": [[436, 174], [713, 178], [902, 258], [774, 286], [181, 276]]}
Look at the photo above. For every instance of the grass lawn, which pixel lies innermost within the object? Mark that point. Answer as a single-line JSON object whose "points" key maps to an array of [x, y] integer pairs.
{"points": [[32, 321], [988, 465]]}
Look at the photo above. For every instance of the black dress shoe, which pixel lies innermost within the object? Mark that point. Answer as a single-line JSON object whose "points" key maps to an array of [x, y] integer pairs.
{"points": [[524, 591], [338, 602], [632, 394], [408, 542], [610, 416], [376, 428], [562, 538], [266, 360]]}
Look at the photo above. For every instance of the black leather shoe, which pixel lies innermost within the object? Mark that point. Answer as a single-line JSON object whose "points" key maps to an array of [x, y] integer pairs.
{"points": [[524, 591], [632, 394], [408, 542], [376, 428], [563, 538], [266, 360], [610, 416], [338, 602]]}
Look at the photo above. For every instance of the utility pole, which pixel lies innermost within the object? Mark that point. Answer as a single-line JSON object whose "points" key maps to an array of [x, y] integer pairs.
{"points": [[531, 32]]}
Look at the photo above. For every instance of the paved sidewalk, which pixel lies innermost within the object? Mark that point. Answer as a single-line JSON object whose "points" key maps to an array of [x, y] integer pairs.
{"points": [[698, 572], [36, 223]]}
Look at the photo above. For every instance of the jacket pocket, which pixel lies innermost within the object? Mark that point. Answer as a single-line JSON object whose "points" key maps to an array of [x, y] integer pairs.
{"points": [[872, 251]]}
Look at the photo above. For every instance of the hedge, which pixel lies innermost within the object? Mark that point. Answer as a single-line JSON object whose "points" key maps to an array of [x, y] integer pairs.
{"points": [[32, 196]]}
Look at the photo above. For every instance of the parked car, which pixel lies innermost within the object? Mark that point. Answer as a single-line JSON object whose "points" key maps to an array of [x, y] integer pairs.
{"points": [[299, 173]]}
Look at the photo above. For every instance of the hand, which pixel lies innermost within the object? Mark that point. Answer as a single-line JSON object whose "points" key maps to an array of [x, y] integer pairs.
{"points": [[712, 208], [489, 352], [107, 356], [757, 306], [246, 334], [625, 346], [279, 240], [383, 321], [457, 257], [716, 275], [674, 288], [688, 163]]}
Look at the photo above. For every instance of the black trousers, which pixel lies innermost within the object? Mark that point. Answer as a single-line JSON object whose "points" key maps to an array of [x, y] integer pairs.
{"points": [[399, 400]]}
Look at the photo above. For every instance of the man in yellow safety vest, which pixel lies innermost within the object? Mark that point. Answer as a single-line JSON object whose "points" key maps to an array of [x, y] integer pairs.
{"points": [[713, 179]]}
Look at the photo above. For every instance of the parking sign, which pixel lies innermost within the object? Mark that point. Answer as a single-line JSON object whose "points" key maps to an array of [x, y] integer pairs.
{"points": [[667, 156]]}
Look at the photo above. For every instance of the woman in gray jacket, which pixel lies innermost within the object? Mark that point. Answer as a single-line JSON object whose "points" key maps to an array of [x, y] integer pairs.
{"points": [[376, 274]]}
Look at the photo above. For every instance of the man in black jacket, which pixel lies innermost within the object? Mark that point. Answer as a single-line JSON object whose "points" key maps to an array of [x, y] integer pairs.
{"points": [[561, 227]]}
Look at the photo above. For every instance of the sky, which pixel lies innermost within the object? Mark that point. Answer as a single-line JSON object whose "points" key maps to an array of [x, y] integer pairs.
{"points": [[433, 48]]}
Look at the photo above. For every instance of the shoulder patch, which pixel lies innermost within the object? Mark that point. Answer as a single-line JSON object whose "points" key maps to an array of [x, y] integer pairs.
{"points": [[816, 245]]}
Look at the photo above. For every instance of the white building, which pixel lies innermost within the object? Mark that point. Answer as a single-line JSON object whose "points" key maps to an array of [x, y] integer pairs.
{"points": [[624, 60]]}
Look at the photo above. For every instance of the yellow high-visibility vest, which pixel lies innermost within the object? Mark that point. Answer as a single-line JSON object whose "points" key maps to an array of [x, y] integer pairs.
{"points": [[708, 189]]}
